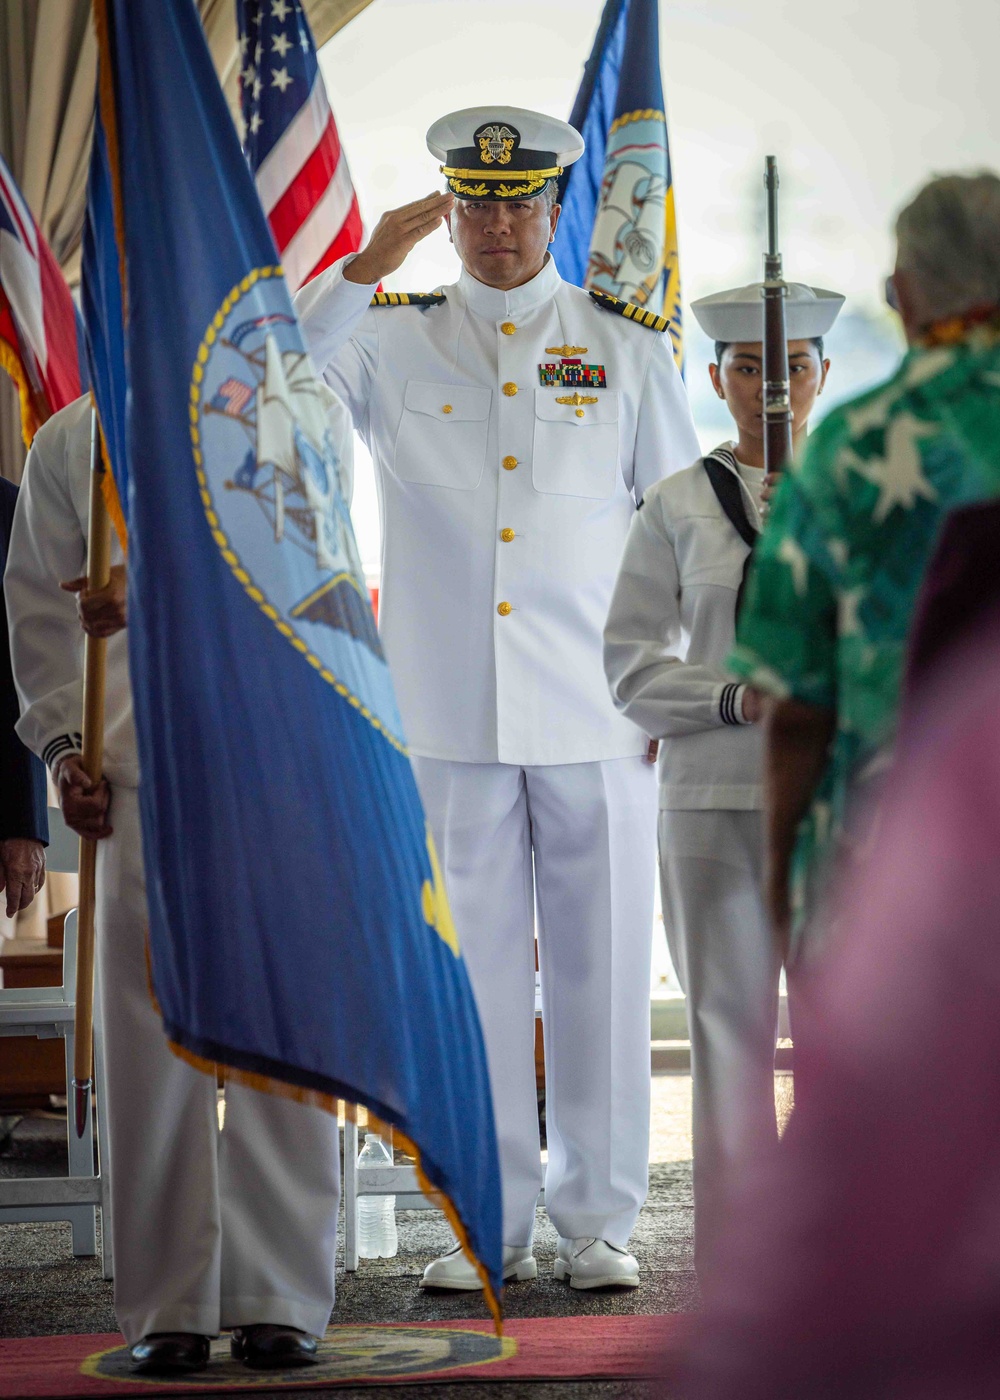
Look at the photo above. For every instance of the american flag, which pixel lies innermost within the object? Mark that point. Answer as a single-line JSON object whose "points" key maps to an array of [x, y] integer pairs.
{"points": [[39, 341], [232, 397], [291, 140]]}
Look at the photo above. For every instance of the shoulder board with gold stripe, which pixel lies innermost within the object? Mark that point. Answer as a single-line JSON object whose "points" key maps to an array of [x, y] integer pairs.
{"points": [[407, 299], [630, 311]]}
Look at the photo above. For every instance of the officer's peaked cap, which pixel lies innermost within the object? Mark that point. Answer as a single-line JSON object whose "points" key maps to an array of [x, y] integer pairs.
{"points": [[502, 152]]}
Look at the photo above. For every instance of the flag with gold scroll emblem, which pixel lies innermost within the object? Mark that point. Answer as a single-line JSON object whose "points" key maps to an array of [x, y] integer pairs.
{"points": [[618, 228]]}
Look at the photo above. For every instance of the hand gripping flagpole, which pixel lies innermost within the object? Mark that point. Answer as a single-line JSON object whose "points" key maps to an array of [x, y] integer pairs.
{"points": [[95, 649]]}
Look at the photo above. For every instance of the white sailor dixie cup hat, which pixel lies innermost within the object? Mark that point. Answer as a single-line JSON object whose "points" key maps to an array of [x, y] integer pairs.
{"points": [[738, 315], [502, 152]]}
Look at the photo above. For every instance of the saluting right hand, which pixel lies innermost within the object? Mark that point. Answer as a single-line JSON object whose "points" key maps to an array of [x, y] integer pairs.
{"points": [[84, 803], [395, 234]]}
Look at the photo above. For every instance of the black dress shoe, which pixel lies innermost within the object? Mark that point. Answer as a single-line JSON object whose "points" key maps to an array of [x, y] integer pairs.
{"points": [[267, 1347], [167, 1353]]}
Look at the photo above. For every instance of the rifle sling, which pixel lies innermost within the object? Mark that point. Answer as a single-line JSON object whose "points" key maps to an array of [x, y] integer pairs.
{"points": [[729, 493]]}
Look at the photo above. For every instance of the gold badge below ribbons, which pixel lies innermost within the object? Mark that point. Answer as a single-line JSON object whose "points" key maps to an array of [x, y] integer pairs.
{"points": [[576, 399]]}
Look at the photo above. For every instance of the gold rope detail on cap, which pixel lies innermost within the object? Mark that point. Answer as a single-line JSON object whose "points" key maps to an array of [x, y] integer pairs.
{"points": [[454, 173]]}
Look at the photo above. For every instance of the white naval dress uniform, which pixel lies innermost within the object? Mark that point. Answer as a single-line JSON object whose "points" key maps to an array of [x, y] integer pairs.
{"points": [[669, 630], [211, 1229], [504, 516]]}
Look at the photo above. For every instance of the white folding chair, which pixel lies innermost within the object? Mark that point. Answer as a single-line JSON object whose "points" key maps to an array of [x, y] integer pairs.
{"points": [[48, 1012]]}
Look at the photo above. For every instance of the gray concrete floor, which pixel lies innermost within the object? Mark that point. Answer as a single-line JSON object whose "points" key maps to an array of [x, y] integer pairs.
{"points": [[46, 1291]]}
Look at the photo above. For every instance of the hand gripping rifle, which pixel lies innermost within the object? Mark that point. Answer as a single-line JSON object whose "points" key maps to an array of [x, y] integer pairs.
{"points": [[777, 399]]}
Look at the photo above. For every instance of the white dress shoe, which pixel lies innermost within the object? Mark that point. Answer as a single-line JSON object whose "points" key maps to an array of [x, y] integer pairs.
{"points": [[454, 1270], [593, 1263]]}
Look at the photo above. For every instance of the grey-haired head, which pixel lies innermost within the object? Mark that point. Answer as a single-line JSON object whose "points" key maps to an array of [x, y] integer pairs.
{"points": [[948, 249]]}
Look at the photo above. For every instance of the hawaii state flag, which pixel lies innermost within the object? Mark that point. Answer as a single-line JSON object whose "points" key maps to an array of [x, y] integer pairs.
{"points": [[291, 140], [39, 340], [618, 228], [299, 928]]}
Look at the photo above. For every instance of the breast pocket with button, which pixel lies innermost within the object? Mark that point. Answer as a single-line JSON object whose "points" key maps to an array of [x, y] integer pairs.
{"points": [[709, 550], [441, 440], [575, 446]]}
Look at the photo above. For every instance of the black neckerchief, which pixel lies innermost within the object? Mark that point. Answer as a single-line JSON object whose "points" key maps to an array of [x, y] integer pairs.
{"points": [[723, 473]]}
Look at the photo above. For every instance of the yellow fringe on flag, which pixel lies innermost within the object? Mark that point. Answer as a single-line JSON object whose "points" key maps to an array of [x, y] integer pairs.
{"points": [[10, 360], [266, 1085], [109, 490]]}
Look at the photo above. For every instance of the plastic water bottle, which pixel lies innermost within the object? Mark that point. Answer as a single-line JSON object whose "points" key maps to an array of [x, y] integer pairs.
{"points": [[377, 1238]]}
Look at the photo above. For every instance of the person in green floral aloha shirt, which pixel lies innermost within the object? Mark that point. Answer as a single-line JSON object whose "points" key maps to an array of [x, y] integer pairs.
{"points": [[837, 571]]}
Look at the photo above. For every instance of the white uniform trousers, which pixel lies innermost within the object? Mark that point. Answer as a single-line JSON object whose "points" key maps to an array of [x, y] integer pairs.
{"points": [[711, 873], [211, 1230], [589, 827]]}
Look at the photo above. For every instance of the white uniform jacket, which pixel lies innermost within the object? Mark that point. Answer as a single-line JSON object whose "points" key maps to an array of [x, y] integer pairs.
{"points": [[670, 627], [48, 545], [504, 511]]}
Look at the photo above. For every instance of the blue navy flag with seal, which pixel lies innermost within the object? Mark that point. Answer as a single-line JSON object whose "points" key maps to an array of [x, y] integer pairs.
{"points": [[618, 229], [299, 927]]}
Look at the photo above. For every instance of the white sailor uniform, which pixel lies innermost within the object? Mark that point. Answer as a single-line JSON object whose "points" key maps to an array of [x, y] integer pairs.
{"points": [[505, 510], [211, 1229], [669, 630]]}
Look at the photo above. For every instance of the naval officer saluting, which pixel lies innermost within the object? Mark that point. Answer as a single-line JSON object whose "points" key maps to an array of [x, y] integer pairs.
{"points": [[514, 421]]}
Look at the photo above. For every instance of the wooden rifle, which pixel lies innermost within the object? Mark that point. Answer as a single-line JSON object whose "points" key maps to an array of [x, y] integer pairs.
{"points": [[777, 389]]}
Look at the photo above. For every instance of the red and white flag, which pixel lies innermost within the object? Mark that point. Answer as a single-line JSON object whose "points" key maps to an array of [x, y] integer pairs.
{"points": [[292, 142], [40, 347]]}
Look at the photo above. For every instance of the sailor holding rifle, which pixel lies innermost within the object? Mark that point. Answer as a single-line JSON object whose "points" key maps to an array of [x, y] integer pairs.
{"points": [[514, 423], [671, 625]]}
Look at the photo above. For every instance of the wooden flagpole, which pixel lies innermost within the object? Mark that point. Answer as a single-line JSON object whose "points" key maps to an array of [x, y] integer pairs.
{"points": [[95, 649]]}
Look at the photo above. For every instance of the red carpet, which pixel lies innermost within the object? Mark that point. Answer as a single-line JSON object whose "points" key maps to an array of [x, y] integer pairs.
{"points": [[534, 1348]]}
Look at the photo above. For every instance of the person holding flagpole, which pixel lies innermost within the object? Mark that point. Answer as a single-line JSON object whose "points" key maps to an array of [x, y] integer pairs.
{"points": [[514, 421], [233, 1230]]}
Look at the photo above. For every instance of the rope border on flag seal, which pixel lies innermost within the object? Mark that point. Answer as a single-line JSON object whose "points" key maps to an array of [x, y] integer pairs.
{"points": [[253, 591]]}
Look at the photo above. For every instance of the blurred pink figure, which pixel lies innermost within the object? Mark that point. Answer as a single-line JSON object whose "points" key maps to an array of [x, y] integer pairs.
{"points": [[864, 1258]]}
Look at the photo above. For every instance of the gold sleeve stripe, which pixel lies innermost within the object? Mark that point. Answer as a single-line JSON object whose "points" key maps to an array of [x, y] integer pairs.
{"points": [[407, 299], [630, 311]]}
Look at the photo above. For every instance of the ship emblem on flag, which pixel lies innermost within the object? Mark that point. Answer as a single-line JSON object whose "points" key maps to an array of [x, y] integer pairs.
{"points": [[627, 245], [288, 492]]}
